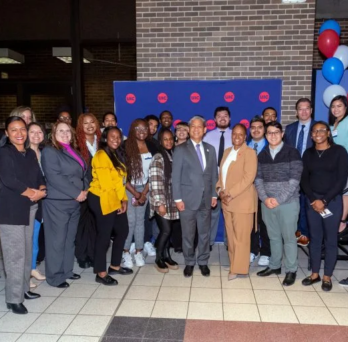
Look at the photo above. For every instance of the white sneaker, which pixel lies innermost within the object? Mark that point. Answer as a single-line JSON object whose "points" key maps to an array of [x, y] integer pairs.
{"points": [[252, 257], [127, 261], [132, 248], [149, 249], [263, 261], [139, 259]]}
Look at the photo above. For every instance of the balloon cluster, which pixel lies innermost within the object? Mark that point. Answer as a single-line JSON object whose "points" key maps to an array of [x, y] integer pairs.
{"points": [[337, 59]]}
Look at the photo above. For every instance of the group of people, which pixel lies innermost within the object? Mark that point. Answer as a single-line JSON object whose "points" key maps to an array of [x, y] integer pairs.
{"points": [[158, 188]]}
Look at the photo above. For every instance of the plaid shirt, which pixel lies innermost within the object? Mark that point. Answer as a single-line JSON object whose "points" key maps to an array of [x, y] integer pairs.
{"points": [[157, 189]]}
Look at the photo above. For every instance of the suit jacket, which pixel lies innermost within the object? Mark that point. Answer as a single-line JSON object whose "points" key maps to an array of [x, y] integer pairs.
{"points": [[65, 177], [190, 182], [240, 181], [290, 135]]}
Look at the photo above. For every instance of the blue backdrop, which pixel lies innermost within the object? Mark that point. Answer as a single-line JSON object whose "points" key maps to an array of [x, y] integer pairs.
{"points": [[245, 99]]}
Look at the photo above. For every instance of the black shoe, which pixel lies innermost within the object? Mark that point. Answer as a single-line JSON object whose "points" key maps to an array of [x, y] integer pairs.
{"points": [[161, 266], [211, 248], [121, 270], [178, 250], [63, 285], [107, 280], [84, 264], [18, 309], [289, 279], [204, 270], [268, 271], [309, 281], [326, 285], [31, 295], [75, 276], [188, 271]]}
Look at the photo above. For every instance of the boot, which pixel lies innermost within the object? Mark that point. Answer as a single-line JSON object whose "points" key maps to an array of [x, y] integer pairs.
{"points": [[161, 266], [171, 264]]}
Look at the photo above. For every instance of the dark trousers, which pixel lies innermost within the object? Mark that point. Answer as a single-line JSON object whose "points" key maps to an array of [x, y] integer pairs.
{"points": [[324, 229], [302, 225], [176, 235], [165, 231], [111, 224], [256, 246]]}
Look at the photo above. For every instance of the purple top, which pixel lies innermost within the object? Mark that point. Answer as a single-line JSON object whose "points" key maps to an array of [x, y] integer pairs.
{"points": [[70, 150]]}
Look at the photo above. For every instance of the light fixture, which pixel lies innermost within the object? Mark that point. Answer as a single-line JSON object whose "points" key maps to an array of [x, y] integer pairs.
{"points": [[64, 54], [8, 56], [293, 1]]}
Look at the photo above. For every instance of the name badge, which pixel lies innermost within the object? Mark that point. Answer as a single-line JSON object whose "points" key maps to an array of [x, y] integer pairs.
{"points": [[334, 133], [326, 213]]}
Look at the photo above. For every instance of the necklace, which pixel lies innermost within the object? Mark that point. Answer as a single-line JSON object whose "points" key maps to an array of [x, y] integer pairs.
{"points": [[320, 154]]}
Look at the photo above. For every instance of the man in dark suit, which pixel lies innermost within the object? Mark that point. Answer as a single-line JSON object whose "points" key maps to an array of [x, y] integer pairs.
{"points": [[298, 134], [194, 177]]}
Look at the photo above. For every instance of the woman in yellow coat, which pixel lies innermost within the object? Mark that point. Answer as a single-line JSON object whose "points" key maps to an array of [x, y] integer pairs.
{"points": [[108, 201], [239, 199]]}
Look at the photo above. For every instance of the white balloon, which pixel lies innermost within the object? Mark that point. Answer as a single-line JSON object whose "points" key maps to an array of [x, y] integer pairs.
{"points": [[331, 92], [342, 54]]}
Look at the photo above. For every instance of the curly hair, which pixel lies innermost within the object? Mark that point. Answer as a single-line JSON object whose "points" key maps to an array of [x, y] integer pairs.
{"points": [[81, 136], [133, 158], [55, 142]]}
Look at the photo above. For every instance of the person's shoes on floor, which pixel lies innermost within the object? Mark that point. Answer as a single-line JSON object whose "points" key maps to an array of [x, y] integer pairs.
{"points": [[252, 258], [139, 259], [289, 279], [344, 282], [121, 271], [31, 295], [37, 275], [188, 271], [303, 241], [149, 249], [269, 271], [310, 281], [63, 285], [127, 261], [263, 260], [205, 271], [18, 309], [161, 266], [107, 280], [326, 285]]}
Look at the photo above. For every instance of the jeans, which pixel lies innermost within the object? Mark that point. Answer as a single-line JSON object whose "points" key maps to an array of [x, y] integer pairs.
{"points": [[36, 232]]}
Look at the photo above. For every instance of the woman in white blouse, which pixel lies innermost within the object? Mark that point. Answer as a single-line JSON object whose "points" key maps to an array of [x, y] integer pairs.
{"points": [[239, 199]]}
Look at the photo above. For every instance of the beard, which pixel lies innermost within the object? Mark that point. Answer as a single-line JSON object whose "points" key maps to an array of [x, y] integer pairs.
{"points": [[222, 126]]}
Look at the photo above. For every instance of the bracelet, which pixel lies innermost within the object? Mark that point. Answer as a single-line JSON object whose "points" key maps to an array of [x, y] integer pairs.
{"points": [[325, 203]]}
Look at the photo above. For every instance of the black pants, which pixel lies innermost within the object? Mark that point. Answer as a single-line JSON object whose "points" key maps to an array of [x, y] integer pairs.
{"points": [[107, 225], [261, 233], [177, 235], [165, 231], [324, 229]]}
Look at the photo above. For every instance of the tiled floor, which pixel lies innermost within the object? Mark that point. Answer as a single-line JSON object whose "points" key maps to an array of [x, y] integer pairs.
{"points": [[86, 310]]}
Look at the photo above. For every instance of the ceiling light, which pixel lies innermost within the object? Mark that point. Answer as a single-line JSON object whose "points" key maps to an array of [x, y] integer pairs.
{"points": [[8, 56], [64, 54]]}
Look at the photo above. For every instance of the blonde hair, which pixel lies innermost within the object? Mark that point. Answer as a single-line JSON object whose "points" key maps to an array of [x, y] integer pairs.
{"points": [[19, 112]]}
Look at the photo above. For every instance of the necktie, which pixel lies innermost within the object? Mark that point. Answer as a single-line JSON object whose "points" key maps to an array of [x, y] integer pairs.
{"points": [[221, 147], [255, 147], [300, 140], [199, 154]]}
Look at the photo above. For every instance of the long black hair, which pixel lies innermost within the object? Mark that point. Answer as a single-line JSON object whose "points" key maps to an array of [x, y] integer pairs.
{"points": [[343, 99], [329, 138], [5, 140], [117, 157]]}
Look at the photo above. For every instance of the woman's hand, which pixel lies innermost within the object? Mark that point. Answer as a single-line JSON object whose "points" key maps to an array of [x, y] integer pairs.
{"points": [[82, 196], [318, 206], [142, 199], [123, 208], [162, 210], [38, 194]]}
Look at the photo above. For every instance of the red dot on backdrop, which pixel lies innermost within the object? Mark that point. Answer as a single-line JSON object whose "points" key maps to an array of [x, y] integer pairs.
{"points": [[229, 96], [245, 122], [176, 122], [130, 98], [195, 97], [162, 98], [210, 125], [264, 96]]}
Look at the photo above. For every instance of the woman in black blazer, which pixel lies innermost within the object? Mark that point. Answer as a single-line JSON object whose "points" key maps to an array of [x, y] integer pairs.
{"points": [[67, 185], [21, 186]]}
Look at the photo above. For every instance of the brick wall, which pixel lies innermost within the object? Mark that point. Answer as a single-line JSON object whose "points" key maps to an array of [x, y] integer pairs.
{"points": [[228, 39], [7, 103]]}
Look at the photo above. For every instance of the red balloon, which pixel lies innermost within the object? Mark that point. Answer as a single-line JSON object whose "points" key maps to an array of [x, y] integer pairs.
{"points": [[328, 42]]}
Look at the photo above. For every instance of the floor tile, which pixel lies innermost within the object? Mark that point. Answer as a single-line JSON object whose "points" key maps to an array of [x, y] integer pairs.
{"points": [[9, 337], [79, 290], [110, 292], [176, 294], [133, 327], [51, 324], [148, 269], [204, 331], [340, 314], [205, 295], [277, 313], [212, 311], [46, 290], [124, 279], [239, 283], [165, 329], [177, 281], [340, 274], [304, 298], [265, 283], [71, 338], [341, 265], [335, 300], [3, 306], [38, 338], [39, 305], [314, 315], [207, 282], [148, 279], [241, 312], [135, 308], [241, 296], [86, 278], [271, 297], [88, 325], [166, 309], [17, 323], [100, 307], [142, 292], [214, 271], [64, 305]]}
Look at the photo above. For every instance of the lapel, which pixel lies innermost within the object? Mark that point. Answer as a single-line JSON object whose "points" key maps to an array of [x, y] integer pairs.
{"points": [[294, 134], [309, 137], [239, 159], [192, 149], [72, 158], [207, 154]]}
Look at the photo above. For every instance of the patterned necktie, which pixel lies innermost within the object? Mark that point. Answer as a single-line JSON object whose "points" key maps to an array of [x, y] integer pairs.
{"points": [[221, 147], [199, 154], [300, 140], [255, 147]]}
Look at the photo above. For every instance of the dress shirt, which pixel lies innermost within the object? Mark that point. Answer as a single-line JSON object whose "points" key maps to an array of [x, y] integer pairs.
{"points": [[92, 148], [260, 144], [305, 135], [201, 147], [213, 138], [230, 158], [276, 150]]}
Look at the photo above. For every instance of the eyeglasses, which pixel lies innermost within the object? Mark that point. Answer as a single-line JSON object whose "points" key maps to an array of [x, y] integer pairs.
{"points": [[319, 131], [272, 134], [141, 129]]}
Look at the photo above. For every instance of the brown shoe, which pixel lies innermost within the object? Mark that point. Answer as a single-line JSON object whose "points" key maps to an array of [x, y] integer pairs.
{"points": [[303, 241], [298, 234]]}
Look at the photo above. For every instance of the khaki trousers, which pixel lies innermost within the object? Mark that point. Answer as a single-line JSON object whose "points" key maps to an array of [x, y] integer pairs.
{"points": [[238, 229]]}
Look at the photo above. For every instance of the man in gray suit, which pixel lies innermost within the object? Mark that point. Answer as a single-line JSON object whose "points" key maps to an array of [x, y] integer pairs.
{"points": [[194, 177]]}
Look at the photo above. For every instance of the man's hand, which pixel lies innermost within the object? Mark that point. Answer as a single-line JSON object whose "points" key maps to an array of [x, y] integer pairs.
{"points": [[274, 202], [123, 208], [213, 202], [180, 205], [269, 202], [318, 206]]}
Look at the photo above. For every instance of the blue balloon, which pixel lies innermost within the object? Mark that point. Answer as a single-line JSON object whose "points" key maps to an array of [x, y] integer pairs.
{"points": [[330, 25], [333, 70]]}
